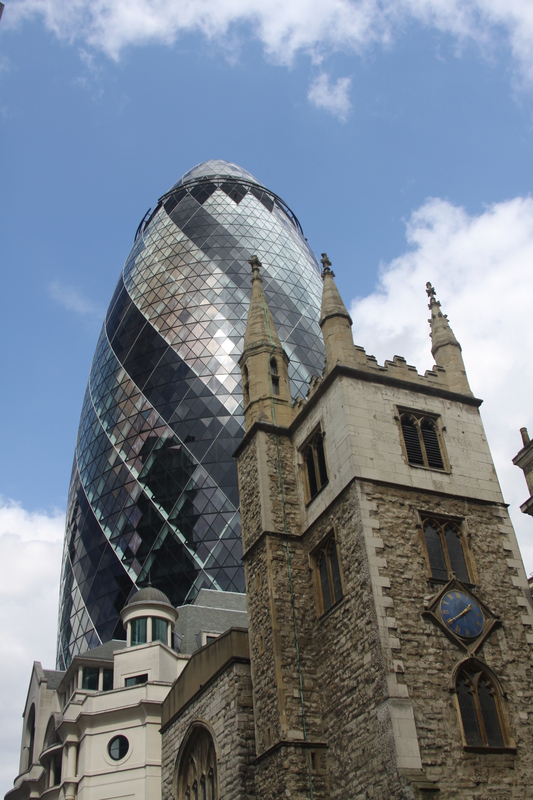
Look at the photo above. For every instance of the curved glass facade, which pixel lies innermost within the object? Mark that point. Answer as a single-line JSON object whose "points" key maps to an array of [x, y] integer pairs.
{"points": [[153, 493]]}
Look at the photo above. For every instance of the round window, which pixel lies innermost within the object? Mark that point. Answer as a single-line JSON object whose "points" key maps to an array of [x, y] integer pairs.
{"points": [[118, 747]]}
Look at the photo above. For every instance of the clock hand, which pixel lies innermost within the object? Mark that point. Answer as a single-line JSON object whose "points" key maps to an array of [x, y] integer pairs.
{"points": [[464, 611]]}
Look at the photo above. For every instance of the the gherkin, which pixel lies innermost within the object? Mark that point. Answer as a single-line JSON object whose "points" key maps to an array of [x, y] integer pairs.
{"points": [[153, 493]]}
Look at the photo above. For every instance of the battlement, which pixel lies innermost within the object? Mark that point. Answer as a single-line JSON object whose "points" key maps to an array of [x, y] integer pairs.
{"points": [[400, 369]]}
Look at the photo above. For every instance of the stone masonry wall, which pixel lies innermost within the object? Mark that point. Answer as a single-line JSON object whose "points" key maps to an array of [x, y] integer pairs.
{"points": [[226, 707], [351, 670]]}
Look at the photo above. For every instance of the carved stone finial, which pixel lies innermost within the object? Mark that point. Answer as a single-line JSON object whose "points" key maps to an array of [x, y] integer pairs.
{"points": [[256, 266], [326, 266], [430, 291]]}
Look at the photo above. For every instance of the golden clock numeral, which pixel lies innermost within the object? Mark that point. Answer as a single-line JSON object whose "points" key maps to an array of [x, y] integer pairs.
{"points": [[467, 632], [457, 629], [446, 612]]}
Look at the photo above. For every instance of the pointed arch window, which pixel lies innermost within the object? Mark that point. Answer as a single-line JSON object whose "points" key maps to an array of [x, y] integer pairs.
{"points": [[316, 471], [480, 708], [196, 775], [274, 376], [422, 440], [445, 548], [328, 580]]}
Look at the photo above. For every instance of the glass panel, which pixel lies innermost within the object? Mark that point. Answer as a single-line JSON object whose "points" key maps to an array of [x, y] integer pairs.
{"points": [[468, 712], [335, 571], [136, 680], [107, 684], [159, 630], [431, 443], [435, 553], [311, 475], [324, 582], [489, 713], [456, 553], [412, 442], [138, 631], [90, 678]]}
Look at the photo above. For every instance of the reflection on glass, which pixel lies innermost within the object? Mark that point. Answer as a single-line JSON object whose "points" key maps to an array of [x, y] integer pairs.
{"points": [[153, 492]]}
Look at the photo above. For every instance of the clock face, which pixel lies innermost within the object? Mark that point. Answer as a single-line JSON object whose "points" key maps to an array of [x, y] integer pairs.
{"points": [[461, 614]]}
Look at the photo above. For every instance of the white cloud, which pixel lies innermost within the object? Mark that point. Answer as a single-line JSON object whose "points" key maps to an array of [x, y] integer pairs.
{"points": [[73, 300], [30, 561], [331, 97], [481, 268], [284, 29]]}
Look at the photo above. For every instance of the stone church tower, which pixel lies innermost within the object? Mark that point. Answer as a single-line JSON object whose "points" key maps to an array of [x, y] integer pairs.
{"points": [[390, 623]]}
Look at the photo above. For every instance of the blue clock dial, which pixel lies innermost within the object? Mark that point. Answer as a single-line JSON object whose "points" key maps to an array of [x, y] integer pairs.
{"points": [[461, 614]]}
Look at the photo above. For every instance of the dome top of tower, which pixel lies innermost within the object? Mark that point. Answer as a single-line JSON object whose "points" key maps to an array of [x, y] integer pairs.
{"points": [[216, 168], [149, 595]]}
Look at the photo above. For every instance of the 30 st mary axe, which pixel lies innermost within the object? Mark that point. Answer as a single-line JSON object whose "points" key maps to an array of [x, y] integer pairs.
{"points": [[153, 494]]}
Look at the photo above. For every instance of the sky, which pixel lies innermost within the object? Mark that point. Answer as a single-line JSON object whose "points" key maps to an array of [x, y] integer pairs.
{"points": [[400, 133]]}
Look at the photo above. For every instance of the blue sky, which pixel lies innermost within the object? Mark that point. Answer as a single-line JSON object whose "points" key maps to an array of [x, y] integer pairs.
{"points": [[399, 133]]}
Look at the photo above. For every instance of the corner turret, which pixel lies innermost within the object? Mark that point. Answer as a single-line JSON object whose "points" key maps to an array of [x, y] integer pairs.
{"points": [[445, 348], [335, 322], [264, 363]]}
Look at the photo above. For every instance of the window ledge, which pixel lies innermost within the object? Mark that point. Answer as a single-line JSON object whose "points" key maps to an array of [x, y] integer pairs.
{"points": [[470, 748], [444, 581], [443, 471], [308, 503], [331, 609]]}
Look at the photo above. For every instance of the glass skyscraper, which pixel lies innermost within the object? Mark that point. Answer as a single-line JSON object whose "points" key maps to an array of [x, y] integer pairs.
{"points": [[153, 494]]}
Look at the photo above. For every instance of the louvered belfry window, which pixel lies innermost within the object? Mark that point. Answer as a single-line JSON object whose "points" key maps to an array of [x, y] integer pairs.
{"points": [[422, 440], [479, 704], [445, 549]]}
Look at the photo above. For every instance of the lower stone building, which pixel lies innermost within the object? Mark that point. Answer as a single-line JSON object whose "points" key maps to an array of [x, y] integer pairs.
{"points": [[390, 621]]}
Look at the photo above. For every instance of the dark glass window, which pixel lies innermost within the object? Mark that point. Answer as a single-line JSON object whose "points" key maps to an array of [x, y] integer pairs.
{"points": [[138, 631], [159, 630], [445, 549], [315, 464], [107, 682], [90, 678], [421, 440], [329, 574], [136, 680], [118, 747], [479, 706]]}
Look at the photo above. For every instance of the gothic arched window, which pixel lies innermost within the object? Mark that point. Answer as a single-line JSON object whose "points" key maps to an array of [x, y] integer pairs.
{"points": [[328, 574], [422, 441], [480, 706], [315, 464], [445, 549], [197, 767]]}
